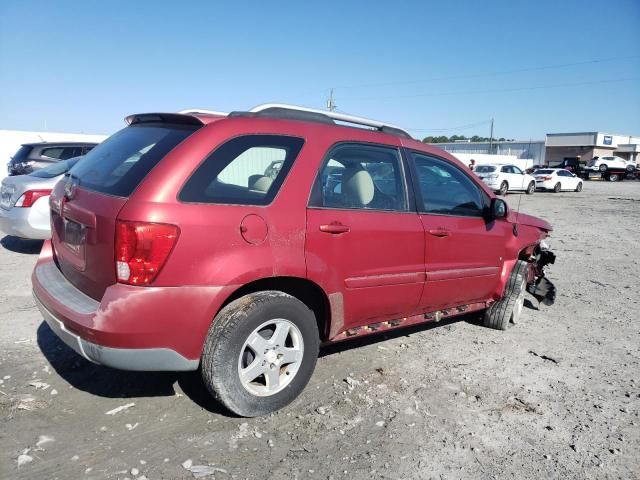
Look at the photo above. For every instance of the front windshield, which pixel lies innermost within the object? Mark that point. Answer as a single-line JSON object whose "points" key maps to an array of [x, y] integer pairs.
{"points": [[56, 169], [485, 169]]}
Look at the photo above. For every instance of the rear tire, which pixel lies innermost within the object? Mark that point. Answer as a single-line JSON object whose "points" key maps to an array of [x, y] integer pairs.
{"points": [[531, 188], [614, 177], [557, 187], [504, 188], [242, 338], [579, 187], [509, 308]]}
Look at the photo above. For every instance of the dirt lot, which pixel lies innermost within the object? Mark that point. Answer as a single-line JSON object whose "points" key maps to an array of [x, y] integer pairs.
{"points": [[556, 396]]}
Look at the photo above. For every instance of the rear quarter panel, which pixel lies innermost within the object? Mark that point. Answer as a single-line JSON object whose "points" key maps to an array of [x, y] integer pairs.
{"points": [[211, 249]]}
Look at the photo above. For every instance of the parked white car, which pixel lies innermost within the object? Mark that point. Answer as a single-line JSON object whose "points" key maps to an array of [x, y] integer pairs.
{"points": [[557, 179], [24, 201], [607, 163], [506, 178]]}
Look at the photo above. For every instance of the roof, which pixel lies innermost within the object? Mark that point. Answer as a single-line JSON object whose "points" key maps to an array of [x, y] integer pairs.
{"points": [[62, 144]]}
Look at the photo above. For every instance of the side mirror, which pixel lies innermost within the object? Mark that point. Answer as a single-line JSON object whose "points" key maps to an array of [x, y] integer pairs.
{"points": [[497, 209], [573, 175]]}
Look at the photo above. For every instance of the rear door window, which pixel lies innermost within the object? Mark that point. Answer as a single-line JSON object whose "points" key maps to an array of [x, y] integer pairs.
{"points": [[120, 163], [361, 176], [54, 152], [247, 170]]}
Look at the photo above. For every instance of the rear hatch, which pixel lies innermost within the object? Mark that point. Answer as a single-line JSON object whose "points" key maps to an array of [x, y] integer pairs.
{"points": [[85, 205], [484, 171]]}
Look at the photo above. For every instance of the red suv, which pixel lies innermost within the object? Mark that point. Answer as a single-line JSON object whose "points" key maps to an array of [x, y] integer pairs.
{"points": [[238, 243]]}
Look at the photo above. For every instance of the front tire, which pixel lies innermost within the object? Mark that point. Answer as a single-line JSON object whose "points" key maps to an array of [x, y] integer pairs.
{"points": [[630, 168], [531, 188], [602, 168], [504, 188], [557, 187], [260, 353], [579, 187], [509, 308]]}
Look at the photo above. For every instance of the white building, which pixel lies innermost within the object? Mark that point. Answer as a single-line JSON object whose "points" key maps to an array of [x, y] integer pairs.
{"points": [[587, 145]]}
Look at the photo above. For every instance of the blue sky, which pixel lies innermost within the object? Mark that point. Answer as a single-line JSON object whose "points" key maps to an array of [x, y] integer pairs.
{"points": [[535, 66]]}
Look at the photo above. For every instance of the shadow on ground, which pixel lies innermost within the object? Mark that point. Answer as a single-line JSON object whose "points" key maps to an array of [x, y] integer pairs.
{"points": [[21, 245], [110, 383], [107, 382]]}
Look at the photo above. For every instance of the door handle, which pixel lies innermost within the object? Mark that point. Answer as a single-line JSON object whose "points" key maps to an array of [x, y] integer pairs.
{"points": [[439, 232], [334, 228]]}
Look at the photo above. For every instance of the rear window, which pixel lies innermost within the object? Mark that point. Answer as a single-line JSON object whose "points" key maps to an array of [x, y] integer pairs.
{"points": [[22, 154], [247, 170], [543, 172], [485, 169], [120, 163]]}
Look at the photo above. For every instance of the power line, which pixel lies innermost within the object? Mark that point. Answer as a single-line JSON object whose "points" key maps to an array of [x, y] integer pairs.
{"points": [[491, 74], [500, 90]]}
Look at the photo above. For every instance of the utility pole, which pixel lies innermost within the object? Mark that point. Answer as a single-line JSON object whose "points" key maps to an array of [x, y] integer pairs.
{"points": [[331, 104], [491, 138]]}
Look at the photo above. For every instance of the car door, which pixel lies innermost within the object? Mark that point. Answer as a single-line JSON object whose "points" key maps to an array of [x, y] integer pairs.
{"points": [[507, 176], [567, 180], [464, 253], [363, 244], [518, 177]]}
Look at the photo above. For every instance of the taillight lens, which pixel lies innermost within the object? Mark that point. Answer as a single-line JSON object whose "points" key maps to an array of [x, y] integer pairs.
{"points": [[547, 178], [141, 249], [28, 198]]}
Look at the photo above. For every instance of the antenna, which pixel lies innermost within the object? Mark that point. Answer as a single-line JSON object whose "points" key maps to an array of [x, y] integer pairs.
{"points": [[331, 104], [515, 225]]}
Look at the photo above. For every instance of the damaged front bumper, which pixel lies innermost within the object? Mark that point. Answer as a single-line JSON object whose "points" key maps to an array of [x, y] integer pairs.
{"points": [[538, 285]]}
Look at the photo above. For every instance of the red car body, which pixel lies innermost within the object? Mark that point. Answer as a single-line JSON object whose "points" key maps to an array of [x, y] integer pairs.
{"points": [[362, 271]]}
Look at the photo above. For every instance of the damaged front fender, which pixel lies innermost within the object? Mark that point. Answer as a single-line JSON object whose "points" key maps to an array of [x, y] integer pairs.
{"points": [[540, 286]]}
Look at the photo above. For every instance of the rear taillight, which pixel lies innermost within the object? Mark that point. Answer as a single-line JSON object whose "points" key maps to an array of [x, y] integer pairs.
{"points": [[28, 198], [142, 249], [547, 178]]}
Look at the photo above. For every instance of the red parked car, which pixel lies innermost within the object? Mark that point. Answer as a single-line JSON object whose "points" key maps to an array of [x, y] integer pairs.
{"points": [[238, 244]]}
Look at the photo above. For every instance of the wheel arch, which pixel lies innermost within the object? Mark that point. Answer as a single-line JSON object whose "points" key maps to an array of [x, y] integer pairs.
{"points": [[305, 290]]}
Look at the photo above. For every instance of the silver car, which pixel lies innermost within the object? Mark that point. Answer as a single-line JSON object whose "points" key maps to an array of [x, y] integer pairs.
{"points": [[24, 201]]}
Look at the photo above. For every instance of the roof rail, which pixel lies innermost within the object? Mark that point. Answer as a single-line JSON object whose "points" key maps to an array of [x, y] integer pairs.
{"points": [[200, 110], [294, 112], [322, 115]]}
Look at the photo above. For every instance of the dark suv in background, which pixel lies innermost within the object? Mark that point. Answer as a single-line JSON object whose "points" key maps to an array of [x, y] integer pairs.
{"points": [[34, 156]]}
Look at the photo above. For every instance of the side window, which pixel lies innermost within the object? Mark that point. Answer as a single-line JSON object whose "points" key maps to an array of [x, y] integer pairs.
{"points": [[505, 169], [54, 152], [516, 170], [247, 170], [445, 189], [361, 176], [70, 152]]}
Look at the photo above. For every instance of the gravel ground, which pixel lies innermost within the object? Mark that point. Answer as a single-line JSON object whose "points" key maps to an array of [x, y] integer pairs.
{"points": [[556, 396]]}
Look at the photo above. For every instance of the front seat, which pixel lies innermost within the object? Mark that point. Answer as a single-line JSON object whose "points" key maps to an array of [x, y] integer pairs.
{"points": [[357, 188], [262, 184]]}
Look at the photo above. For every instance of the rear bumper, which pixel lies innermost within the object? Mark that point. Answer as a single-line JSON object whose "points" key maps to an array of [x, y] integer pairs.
{"points": [[143, 359], [25, 223], [130, 328]]}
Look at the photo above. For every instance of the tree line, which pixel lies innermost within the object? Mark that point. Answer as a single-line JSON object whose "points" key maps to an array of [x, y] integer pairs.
{"points": [[454, 138]]}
